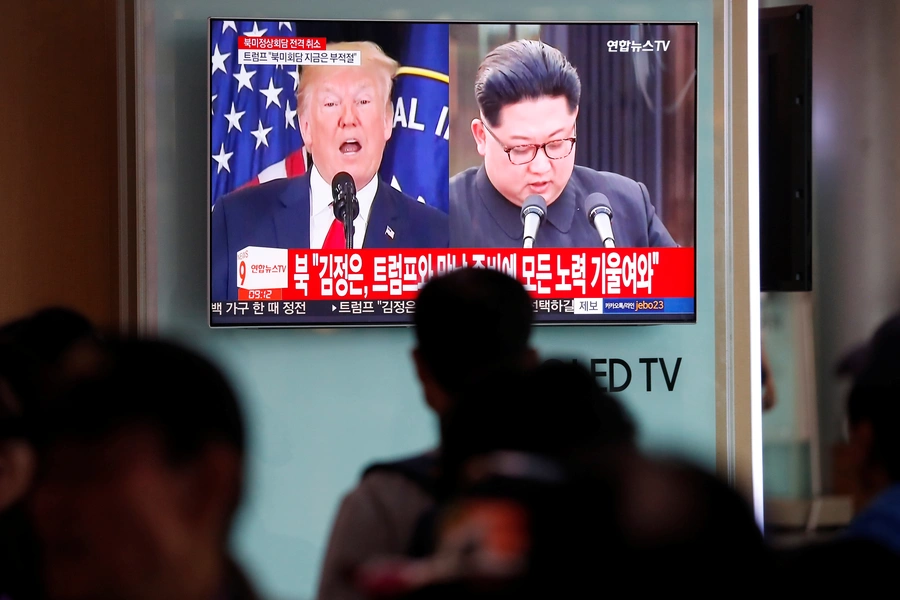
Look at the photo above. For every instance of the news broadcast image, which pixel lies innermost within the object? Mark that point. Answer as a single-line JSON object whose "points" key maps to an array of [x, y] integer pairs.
{"points": [[352, 161]]}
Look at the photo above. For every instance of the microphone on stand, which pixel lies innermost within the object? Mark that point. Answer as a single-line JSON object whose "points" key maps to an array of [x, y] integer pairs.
{"points": [[533, 212], [346, 206], [596, 207]]}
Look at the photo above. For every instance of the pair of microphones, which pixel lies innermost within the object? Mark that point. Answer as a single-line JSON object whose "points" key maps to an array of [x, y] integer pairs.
{"points": [[595, 206], [534, 210]]}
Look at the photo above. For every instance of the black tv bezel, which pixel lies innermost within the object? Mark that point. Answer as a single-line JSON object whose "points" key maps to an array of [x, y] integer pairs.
{"points": [[541, 319]]}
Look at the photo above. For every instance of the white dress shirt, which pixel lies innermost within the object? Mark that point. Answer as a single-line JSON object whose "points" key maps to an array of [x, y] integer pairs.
{"points": [[321, 214]]}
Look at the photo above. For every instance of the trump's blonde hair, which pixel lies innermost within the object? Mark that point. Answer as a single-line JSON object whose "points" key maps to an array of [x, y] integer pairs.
{"points": [[372, 58]]}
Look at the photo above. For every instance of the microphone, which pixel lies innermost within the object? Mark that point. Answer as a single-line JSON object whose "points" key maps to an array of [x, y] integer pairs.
{"points": [[596, 207], [346, 206], [533, 212]]}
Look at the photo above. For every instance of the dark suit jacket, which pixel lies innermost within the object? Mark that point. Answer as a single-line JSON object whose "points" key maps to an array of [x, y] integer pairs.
{"points": [[481, 218], [276, 215]]}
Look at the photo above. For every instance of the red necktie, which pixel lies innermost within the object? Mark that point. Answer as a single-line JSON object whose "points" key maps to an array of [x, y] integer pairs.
{"points": [[334, 240]]}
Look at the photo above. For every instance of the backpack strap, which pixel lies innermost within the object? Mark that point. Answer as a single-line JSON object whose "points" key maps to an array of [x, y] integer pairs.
{"points": [[421, 469]]}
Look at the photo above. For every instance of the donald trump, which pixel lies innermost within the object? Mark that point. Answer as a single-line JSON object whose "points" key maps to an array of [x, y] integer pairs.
{"points": [[346, 119]]}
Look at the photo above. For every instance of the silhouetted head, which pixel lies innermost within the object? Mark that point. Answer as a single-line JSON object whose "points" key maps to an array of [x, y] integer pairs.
{"points": [[873, 412], [469, 323], [49, 333], [556, 413], [142, 470], [17, 459], [31, 351], [673, 515], [554, 409]]}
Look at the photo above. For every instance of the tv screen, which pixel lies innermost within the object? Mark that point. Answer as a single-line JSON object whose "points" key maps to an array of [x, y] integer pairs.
{"points": [[351, 161]]}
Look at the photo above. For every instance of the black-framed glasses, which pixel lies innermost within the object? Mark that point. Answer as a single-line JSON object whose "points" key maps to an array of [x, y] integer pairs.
{"points": [[525, 153]]}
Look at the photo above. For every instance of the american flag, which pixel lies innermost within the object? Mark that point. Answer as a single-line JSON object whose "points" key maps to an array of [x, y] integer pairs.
{"points": [[254, 132]]}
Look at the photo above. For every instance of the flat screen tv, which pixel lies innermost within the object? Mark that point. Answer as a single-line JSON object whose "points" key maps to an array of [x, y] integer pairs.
{"points": [[351, 161]]}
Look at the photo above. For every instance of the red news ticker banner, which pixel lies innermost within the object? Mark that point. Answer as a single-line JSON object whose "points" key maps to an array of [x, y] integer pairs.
{"points": [[280, 43], [399, 274]]}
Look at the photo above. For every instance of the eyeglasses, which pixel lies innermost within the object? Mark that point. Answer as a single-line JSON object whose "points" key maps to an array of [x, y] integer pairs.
{"points": [[525, 153]]}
